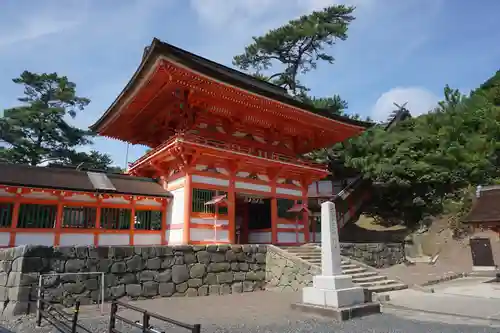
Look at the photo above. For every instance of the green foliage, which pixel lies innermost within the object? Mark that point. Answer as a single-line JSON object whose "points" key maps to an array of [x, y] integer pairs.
{"points": [[416, 165], [457, 207], [491, 89], [92, 160], [296, 48], [334, 105], [37, 131]]}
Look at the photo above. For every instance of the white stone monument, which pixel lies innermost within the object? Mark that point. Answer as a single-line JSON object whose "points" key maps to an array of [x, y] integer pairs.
{"points": [[333, 293]]}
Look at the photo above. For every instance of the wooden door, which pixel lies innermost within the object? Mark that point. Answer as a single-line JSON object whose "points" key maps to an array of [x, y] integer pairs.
{"points": [[482, 254]]}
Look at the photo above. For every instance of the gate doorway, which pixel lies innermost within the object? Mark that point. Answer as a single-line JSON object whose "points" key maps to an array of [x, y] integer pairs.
{"points": [[482, 254], [253, 214]]}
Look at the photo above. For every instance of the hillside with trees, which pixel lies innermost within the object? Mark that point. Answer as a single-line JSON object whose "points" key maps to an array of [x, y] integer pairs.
{"points": [[426, 164], [417, 168], [37, 132]]}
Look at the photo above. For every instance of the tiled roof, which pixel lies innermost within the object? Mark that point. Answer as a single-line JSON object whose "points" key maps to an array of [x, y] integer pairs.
{"points": [[486, 208], [225, 74], [71, 179]]}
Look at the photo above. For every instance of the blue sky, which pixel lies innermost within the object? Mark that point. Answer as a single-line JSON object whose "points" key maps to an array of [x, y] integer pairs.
{"points": [[397, 51]]}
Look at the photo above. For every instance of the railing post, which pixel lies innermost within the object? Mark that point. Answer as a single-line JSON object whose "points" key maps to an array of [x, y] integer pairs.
{"points": [[112, 317], [145, 322], [39, 314], [196, 328], [39, 307], [75, 317]]}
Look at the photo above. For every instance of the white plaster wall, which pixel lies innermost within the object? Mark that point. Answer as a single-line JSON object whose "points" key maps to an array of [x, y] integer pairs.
{"points": [[117, 200], [175, 211], [259, 237], [289, 191], [209, 235], [35, 238], [242, 174], [4, 193], [114, 239], [147, 239], [250, 186], [195, 220], [210, 180], [4, 238], [291, 226], [290, 237], [148, 202], [175, 236], [76, 239], [176, 182], [81, 197]]}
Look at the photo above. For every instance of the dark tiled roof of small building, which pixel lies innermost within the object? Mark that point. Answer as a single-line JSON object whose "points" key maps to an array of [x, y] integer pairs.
{"points": [[76, 180], [486, 207]]}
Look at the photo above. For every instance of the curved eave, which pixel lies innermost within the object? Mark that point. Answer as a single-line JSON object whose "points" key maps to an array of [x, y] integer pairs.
{"points": [[218, 72]]}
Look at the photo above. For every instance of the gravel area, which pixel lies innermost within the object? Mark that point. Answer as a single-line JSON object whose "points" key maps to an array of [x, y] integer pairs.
{"points": [[254, 313], [376, 324]]}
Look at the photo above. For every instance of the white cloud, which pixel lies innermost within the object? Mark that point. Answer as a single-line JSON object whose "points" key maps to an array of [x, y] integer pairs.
{"points": [[39, 27], [420, 101], [21, 24], [241, 14]]}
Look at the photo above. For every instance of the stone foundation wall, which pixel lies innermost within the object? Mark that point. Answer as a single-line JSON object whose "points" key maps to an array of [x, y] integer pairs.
{"points": [[130, 272], [285, 272], [378, 255]]}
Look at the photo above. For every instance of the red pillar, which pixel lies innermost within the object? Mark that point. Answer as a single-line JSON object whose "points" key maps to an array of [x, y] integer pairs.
{"points": [[305, 217], [188, 197]]}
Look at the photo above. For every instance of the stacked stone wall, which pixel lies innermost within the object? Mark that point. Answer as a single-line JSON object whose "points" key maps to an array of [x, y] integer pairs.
{"points": [[131, 272], [378, 255], [285, 272]]}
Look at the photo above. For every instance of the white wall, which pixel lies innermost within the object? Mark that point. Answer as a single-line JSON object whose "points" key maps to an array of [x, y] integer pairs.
{"points": [[175, 212]]}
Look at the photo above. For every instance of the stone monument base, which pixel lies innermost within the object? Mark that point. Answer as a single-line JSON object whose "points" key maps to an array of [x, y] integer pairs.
{"points": [[336, 291], [338, 314], [337, 297]]}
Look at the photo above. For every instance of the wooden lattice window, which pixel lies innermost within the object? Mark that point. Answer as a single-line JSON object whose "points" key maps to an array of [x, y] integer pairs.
{"points": [[79, 217], [37, 216], [148, 219], [200, 197], [6, 210], [115, 218]]}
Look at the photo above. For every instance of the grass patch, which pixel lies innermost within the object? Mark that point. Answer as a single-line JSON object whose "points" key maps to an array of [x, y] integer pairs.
{"points": [[369, 223]]}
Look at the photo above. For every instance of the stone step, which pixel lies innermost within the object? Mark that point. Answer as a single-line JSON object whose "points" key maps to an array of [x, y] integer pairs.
{"points": [[307, 255], [377, 283], [308, 252], [353, 270], [364, 275], [361, 276], [317, 262], [388, 287], [370, 278]]}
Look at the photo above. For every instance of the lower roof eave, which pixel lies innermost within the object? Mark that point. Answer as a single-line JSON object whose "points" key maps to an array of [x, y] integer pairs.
{"points": [[167, 195], [324, 172]]}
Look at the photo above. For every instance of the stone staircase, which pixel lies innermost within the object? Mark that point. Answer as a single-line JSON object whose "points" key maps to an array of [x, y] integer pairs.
{"points": [[363, 276]]}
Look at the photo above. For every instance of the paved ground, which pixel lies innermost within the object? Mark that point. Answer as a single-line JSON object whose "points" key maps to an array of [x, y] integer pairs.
{"points": [[267, 312], [422, 272], [470, 297]]}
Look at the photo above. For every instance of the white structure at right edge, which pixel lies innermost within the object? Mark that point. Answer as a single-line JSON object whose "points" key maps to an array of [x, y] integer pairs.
{"points": [[331, 288]]}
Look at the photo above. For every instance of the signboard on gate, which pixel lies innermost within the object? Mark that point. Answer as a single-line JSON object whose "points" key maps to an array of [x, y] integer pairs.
{"points": [[253, 200]]}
